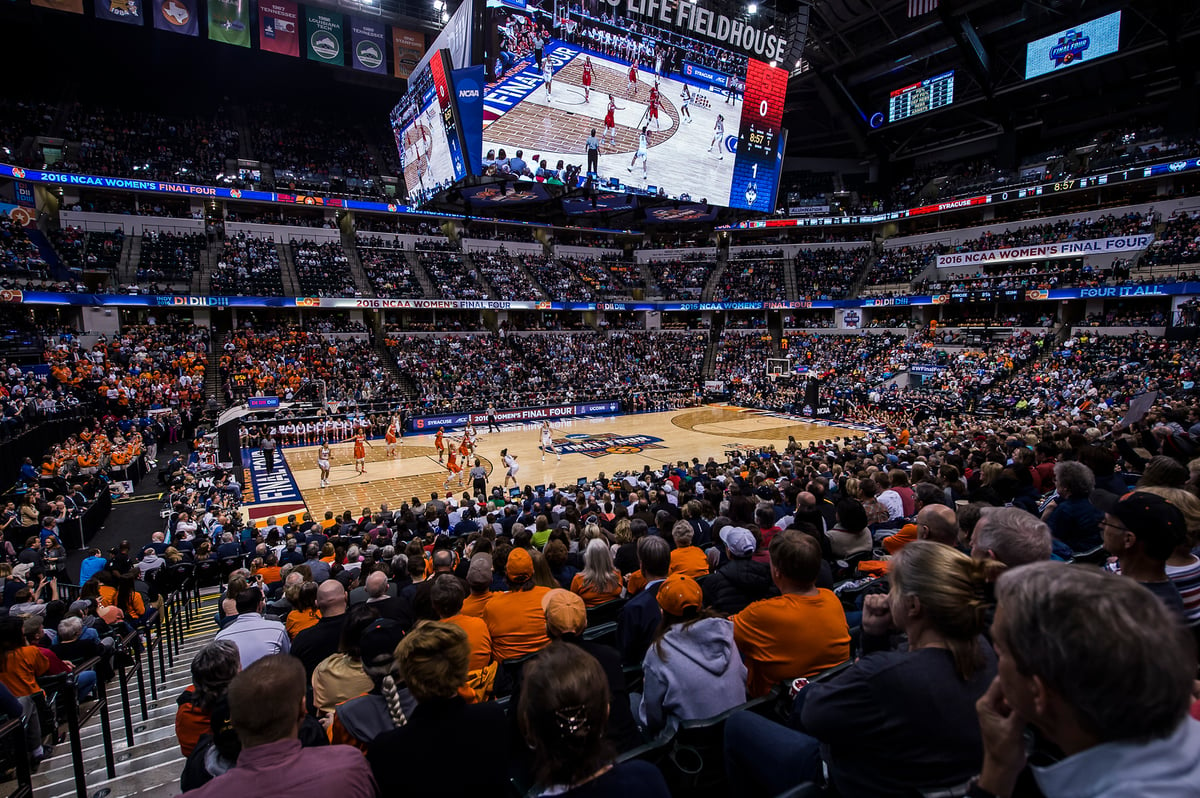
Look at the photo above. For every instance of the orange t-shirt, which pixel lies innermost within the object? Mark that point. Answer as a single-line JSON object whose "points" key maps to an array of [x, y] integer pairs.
{"points": [[789, 636], [517, 623], [269, 573], [689, 560], [108, 598], [190, 725], [906, 535], [474, 605], [299, 620], [479, 638], [635, 583], [591, 594], [21, 669]]}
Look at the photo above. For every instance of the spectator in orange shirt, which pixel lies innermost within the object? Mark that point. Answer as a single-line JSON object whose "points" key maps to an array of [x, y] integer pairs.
{"points": [[304, 614], [213, 668], [479, 579], [687, 559], [20, 665], [447, 597], [935, 522], [799, 633], [515, 619], [599, 581]]}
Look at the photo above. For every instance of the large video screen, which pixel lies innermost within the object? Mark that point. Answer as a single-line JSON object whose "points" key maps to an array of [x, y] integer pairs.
{"points": [[674, 115], [426, 128], [1085, 42]]}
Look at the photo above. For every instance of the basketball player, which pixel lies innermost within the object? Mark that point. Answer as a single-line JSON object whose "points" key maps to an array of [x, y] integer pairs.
{"points": [[511, 467], [718, 139], [587, 78], [360, 452], [491, 413], [610, 122], [547, 75], [464, 449], [453, 469], [470, 436], [686, 97], [390, 438], [323, 463], [548, 442], [439, 443], [643, 151], [633, 79], [652, 109]]}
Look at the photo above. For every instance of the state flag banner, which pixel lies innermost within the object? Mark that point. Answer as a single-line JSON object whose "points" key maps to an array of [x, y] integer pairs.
{"points": [[279, 27], [324, 32], [177, 16], [229, 22]]}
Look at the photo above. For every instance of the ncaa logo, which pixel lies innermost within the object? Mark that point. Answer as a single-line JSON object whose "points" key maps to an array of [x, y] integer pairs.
{"points": [[236, 193], [18, 172], [468, 89]]}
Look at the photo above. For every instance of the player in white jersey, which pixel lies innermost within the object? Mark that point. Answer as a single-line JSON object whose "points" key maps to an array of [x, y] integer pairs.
{"points": [[470, 436], [548, 441], [686, 97], [323, 463], [643, 151], [718, 139], [547, 75], [511, 467]]}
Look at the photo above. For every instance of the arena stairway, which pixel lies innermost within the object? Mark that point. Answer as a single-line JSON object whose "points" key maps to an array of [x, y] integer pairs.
{"points": [[423, 278], [131, 256], [150, 768], [357, 273]]}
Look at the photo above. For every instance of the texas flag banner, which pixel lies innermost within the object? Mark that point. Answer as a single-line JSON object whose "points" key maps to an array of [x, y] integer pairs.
{"points": [[278, 27], [177, 16]]}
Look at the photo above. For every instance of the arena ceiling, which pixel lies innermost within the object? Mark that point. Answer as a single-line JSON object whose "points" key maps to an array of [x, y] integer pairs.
{"points": [[858, 51]]}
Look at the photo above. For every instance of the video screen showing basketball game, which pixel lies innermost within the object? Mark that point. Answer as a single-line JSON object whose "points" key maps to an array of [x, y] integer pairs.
{"points": [[672, 114], [426, 128]]}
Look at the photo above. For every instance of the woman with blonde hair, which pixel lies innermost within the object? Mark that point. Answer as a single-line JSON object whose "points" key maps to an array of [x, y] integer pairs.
{"points": [[433, 659], [896, 723], [599, 581]]}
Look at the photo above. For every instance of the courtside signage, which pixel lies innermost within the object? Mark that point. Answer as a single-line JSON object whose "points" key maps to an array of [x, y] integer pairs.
{"points": [[1063, 249]]}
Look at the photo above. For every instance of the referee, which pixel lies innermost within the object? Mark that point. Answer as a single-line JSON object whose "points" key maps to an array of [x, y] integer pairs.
{"points": [[478, 479], [593, 153]]}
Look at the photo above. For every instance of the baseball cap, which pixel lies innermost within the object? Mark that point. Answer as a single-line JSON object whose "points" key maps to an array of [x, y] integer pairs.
{"points": [[679, 593], [1154, 520], [519, 566], [80, 605], [565, 611], [739, 540], [480, 570], [379, 640]]}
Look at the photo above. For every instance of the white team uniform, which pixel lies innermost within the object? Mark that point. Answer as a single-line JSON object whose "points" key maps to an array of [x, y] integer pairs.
{"points": [[510, 463]]}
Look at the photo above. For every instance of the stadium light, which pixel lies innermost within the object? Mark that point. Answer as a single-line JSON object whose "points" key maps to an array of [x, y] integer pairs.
{"points": [[752, 8]]}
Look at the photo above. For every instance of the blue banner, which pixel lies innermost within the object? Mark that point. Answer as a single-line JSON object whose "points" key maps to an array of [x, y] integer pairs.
{"points": [[177, 16], [468, 87], [368, 47], [126, 11]]}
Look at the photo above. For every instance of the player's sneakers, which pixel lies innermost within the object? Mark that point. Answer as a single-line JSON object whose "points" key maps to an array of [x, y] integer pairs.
{"points": [[630, 172]]}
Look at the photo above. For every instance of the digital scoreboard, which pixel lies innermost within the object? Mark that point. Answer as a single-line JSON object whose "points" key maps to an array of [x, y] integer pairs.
{"points": [[928, 95]]}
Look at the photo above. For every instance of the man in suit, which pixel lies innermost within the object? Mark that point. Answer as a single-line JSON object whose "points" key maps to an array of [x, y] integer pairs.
{"points": [[641, 615]]}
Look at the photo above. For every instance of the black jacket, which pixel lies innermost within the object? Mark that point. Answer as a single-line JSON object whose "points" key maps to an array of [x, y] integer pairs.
{"points": [[737, 584]]}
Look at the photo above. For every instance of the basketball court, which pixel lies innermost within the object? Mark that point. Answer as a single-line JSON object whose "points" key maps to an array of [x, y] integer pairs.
{"points": [[588, 446]]}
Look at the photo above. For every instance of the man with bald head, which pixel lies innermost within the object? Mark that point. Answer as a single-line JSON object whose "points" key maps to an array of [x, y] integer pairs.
{"points": [[938, 523], [443, 562], [321, 639], [388, 606]]}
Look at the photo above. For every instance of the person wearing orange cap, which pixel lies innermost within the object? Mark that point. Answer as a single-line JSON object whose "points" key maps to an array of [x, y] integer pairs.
{"points": [[799, 633], [692, 669], [515, 619]]}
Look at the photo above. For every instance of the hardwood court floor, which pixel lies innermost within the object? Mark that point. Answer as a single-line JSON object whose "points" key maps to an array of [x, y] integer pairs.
{"points": [[588, 446]]}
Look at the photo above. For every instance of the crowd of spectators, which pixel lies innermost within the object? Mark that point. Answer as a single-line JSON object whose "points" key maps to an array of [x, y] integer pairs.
{"points": [[752, 281], [461, 372], [682, 279], [902, 264], [19, 256], [170, 257], [248, 266], [314, 154], [281, 362], [322, 269], [503, 272], [449, 274], [828, 273], [388, 270], [1177, 244], [742, 356], [1106, 226]]}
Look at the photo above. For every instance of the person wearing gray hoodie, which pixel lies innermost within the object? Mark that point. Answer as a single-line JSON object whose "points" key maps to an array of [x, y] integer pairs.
{"points": [[693, 670]]}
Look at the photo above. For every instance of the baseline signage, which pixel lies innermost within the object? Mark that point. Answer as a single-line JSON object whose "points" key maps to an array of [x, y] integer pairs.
{"points": [[1062, 249], [431, 423], [262, 402], [925, 368]]}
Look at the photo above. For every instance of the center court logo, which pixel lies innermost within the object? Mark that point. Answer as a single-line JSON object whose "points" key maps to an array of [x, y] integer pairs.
{"points": [[602, 445]]}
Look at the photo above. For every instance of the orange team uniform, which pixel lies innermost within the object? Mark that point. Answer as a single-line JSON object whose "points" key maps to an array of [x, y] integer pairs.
{"points": [[591, 596], [479, 638], [474, 605], [789, 636], [452, 463], [390, 436], [360, 451], [689, 560], [463, 449], [438, 443], [517, 623]]}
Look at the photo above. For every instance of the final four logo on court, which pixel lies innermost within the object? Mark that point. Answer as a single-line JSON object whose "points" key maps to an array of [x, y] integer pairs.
{"points": [[603, 445]]}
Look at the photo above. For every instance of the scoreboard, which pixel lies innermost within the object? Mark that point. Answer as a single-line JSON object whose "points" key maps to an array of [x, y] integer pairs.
{"points": [[928, 95]]}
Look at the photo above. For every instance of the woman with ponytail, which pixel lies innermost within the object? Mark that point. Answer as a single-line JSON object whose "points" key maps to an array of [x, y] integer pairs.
{"points": [[563, 714], [433, 659], [389, 703], [897, 722]]}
